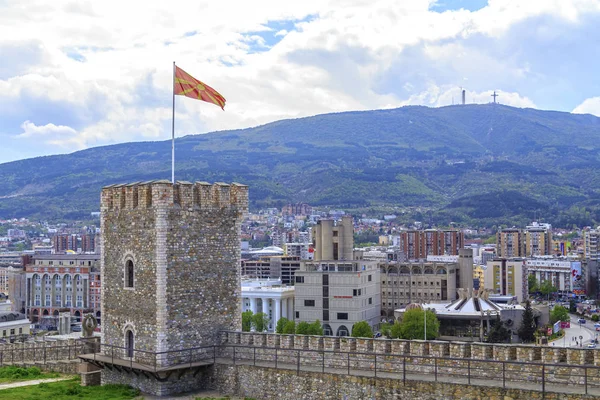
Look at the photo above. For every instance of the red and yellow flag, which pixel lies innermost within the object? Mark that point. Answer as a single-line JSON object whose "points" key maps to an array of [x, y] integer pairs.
{"points": [[186, 85]]}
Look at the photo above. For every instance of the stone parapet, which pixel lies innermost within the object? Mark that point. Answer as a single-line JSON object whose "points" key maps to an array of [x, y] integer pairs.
{"points": [[187, 195]]}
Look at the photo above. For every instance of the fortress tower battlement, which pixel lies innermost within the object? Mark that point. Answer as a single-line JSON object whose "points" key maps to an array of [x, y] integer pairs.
{"points": [[186, 195]]}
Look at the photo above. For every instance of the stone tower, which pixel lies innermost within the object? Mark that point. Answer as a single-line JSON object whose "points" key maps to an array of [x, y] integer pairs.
{"points": [[170, 275]]}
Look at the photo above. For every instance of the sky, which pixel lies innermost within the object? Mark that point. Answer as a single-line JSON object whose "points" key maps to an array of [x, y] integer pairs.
{"points": [[78, 74]]}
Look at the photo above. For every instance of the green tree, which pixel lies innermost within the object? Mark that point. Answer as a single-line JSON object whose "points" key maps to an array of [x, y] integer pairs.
{"points": [[260, 322], [396, 330], [413, 325], [386, 330], [546, 288], [499, 333], [527, 329], [572, 306], [246, 321], [315, 328], [281, 325], [559, 313], [362, 329], [532, 283], [289, 328], [302, 328]]}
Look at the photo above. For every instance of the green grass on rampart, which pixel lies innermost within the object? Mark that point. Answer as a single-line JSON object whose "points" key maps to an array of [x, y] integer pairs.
{"points": [[68, 390], [17, 374]]}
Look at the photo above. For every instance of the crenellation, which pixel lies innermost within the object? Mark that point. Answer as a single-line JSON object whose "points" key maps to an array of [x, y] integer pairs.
{"points": [[187, 195]]}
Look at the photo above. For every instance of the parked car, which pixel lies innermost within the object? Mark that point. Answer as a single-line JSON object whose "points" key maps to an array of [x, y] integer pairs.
{"points": [[581, 320], [591, 345]]}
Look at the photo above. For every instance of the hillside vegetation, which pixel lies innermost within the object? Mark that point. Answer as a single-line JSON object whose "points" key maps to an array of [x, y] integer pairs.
{"points": [[489, 164]]}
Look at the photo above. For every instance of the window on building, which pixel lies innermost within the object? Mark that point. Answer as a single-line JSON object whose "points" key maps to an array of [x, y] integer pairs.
{"points": [[309, 303], [68, 301], [38, 300], [343, 316], [326, 303], [325, 279], [20, 331], [129, 274], [12, 331], [297, 314], [58, 299], [47, 302], [370, 300], [299, 279], [79, 301], [325, 315], [370, 278], [325, 291], [4, 332]]}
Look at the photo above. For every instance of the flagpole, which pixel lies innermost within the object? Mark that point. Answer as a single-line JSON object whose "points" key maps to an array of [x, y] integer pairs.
{"points": [[173, 132]]}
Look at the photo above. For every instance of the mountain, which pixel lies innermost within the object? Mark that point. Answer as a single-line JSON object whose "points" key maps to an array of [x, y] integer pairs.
{"points": [[489, 163]]}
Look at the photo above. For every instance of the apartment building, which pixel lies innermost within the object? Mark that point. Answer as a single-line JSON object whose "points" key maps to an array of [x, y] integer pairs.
{"points": [[507, 277], [419, 244], [534, 240]]}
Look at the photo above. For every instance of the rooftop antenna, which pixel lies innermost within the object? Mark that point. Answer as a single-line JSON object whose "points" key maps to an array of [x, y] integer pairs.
{"points": [[494, 96], [464, 95]]}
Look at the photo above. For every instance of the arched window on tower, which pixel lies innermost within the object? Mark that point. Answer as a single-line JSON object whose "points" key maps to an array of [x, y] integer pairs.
{"points": [[129, 343], [129, 274]]}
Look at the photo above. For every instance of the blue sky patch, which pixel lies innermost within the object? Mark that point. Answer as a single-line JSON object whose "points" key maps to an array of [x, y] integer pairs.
{"points": [[451, 5]]}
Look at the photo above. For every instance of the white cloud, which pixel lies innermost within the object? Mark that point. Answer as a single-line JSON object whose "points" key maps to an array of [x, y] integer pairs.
{"points": [[109, 63], [49, 132], [589, 106]]}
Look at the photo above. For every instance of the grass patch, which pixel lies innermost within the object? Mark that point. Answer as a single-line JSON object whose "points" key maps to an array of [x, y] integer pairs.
{"points": [[67, 390], [18, 374]]}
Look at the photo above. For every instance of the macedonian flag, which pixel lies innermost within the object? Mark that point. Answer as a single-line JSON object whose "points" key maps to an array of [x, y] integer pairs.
{"points": [[186, 85]]}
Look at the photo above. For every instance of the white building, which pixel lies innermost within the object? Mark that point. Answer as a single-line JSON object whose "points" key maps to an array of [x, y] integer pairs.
{"points": [[270, 297], [556, 271], [12, 323]]}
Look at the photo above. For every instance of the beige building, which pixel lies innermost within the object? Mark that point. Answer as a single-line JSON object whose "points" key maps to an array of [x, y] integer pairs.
{"points": [[333, 241], [507, 277], [338, 293], [416, 282]]}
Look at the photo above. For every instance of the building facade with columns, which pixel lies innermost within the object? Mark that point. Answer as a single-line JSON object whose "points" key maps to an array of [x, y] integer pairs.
{"points": [[270, 297], [59, 283]]}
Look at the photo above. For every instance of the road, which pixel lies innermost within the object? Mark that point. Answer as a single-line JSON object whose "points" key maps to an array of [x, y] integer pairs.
{"points": [[573, 333]]}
